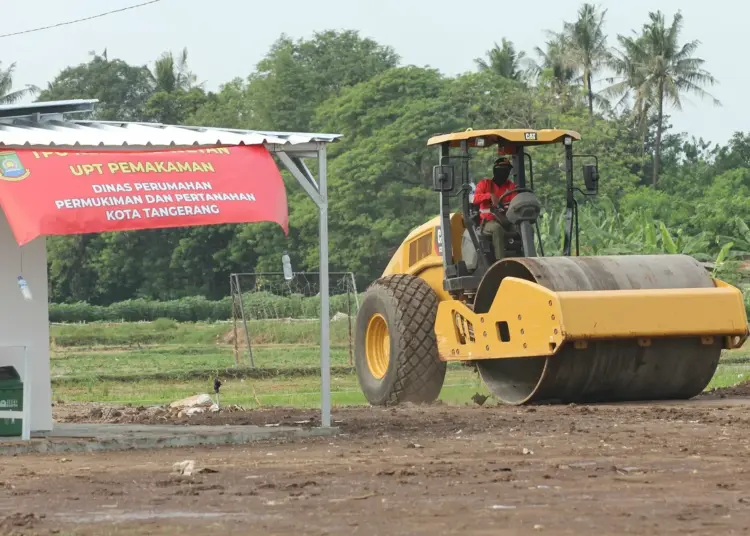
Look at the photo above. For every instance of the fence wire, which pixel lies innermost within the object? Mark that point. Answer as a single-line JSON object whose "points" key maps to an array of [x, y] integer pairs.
{"points": [[261, 298]]}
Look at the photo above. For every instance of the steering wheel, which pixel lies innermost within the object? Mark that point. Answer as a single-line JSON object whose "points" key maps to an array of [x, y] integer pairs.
{"points": [[515, 191]]}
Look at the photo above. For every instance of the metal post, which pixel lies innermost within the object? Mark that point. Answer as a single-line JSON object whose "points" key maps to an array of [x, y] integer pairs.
{"points": [[570, 201], [234, 321], [244, 322], [354, 287], [444, 243], [351, 289], [527, 231], [325, 343], [349, 321], [26, 423]]}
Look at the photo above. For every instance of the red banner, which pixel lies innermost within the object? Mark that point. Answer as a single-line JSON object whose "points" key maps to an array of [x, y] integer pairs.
{"points": [[59, 193]]}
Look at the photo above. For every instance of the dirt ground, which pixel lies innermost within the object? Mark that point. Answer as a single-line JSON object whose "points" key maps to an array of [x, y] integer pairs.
{"points": [[586, 470]]}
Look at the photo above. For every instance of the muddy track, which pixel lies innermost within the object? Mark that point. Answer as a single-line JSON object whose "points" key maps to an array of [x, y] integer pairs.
{"points": [[629, 469], [741, 390]]}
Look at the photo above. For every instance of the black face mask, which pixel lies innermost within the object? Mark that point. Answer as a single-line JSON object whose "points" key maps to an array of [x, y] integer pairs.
{"points": [[500, 174]]}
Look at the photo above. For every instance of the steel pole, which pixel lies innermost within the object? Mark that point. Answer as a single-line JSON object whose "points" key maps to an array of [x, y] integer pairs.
{"points": [[325, 317]]}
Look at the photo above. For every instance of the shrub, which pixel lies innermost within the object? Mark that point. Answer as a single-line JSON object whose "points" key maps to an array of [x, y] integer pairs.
{"points": [[257, 306], [164, 324]]}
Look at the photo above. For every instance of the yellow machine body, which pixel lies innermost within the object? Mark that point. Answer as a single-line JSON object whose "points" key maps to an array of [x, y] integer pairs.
{"points": [[539, 321], [540, 326], [542, 320], [420, 253]]}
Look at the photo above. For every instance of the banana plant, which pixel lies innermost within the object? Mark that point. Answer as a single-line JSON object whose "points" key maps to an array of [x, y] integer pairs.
{"points": [[721, 258], [605, 231]]}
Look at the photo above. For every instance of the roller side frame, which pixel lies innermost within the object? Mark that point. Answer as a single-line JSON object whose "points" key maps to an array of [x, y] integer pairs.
{"points": [[539, 322], [594, 329]]}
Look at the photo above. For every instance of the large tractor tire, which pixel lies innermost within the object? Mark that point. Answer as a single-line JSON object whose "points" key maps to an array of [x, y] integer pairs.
{"points": [[396, 354]]}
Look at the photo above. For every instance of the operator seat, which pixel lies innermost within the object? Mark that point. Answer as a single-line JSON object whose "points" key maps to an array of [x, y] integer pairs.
{"points": [[513, 244]]}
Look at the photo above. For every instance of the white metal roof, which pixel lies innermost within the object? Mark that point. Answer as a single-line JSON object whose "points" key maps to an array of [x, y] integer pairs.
{"points": [[42, 125], [79, 134], [47, 108]]}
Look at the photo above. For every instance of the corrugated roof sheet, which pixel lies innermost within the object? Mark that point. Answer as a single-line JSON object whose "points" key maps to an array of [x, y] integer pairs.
{"points": [[43, 125], [78, 134], [47, 108]]}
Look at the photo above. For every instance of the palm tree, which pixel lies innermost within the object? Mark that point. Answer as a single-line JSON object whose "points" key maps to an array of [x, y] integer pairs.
{"points": [[629, 79], [657, 70], [7, 95], [555, 66], [629, 82], [587, 46], [172, 75], [503, 60]]}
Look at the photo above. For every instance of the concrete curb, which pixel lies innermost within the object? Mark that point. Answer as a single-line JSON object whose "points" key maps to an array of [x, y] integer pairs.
{"points": [[80, 438]]}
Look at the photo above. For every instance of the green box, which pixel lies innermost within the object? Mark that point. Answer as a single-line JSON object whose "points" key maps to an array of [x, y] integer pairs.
{"points": [[11, 399]]}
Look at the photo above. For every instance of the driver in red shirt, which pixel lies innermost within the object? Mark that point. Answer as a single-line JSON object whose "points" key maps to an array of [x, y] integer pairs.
{"points": [[487, 195]]}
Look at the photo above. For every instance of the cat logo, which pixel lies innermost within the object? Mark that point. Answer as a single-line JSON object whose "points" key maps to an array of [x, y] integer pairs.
{"points": [[11, 168], [530, 136]]}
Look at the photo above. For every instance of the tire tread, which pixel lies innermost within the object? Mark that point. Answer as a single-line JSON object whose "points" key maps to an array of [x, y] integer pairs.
{"points": [[420, 373]]}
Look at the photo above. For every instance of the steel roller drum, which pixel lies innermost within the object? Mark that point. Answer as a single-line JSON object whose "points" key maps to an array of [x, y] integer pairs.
{"points": [[607, 370]]}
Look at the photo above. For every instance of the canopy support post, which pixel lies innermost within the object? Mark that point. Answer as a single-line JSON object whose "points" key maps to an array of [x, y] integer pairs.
{"points": [[325, 317], [318, 192]]}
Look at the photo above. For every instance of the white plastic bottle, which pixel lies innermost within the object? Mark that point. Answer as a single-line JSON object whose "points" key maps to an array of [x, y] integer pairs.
{"points": [[286, 261], [25, 290]]}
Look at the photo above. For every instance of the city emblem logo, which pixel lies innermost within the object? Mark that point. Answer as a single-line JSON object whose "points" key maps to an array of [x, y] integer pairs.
{"points": [[11, 168]]}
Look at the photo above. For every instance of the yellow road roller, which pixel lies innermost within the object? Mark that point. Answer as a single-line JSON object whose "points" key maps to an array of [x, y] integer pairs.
{"points": [[539, 329]]}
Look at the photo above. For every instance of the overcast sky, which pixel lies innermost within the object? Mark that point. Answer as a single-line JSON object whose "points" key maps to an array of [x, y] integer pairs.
{"points": [[226, 38]]}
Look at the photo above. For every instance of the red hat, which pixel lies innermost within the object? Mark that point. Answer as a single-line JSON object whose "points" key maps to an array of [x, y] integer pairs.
{"points": [[502, 162]]}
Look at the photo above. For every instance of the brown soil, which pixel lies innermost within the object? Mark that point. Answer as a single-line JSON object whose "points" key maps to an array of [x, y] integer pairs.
{"points": [[229, 338], [586, 470], [258, 338], [739, 390]]}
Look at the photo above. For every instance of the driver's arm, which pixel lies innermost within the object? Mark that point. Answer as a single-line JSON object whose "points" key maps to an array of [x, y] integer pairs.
{"points": [[483, 193]]}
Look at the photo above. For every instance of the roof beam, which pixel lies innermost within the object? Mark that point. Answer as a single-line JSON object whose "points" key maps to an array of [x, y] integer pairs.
{"points": [[301, 173]]}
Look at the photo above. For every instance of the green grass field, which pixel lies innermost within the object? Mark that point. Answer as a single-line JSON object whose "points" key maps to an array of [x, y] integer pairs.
{"points": [[162, 361]]}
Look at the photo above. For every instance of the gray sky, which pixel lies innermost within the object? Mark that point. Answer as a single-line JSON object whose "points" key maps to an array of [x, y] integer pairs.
{"points": [[226, 38]]}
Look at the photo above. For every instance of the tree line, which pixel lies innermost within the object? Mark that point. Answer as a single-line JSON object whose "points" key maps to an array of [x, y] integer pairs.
{"points": [[660, 190]]}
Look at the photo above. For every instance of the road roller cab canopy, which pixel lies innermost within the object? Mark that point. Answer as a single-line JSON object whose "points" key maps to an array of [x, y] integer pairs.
{"points": [[451, 178], [507, 136]]}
